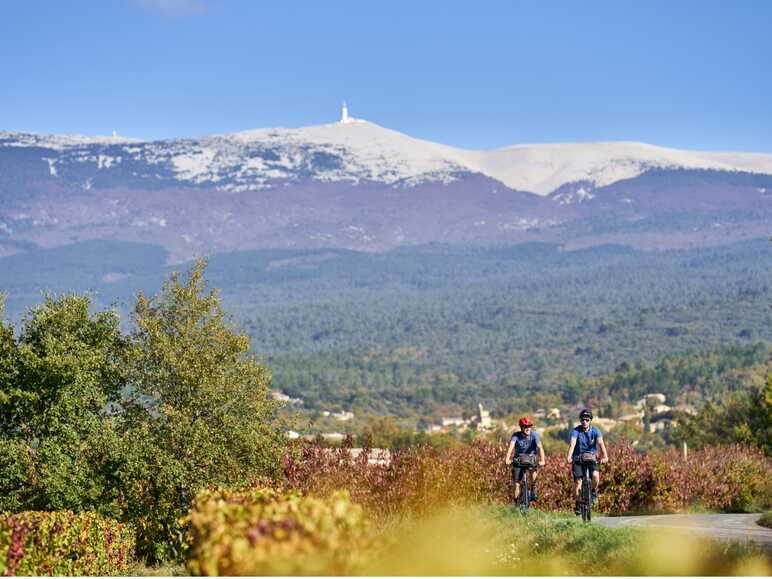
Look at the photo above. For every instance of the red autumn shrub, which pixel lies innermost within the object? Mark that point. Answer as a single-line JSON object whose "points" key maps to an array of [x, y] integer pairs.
{"points": [[417, 479], [420, 479], [64, 543], [732, 477]]}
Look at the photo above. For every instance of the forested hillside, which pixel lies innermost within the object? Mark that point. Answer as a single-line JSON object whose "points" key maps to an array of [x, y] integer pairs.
{"points": [[435, 329], [428, 329]]}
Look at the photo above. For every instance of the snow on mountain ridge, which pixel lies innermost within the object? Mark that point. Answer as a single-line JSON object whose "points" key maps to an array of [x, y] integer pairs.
{"points": [[364, 151], [538, 168], [60, 142], [353, 152], [543, 168]]}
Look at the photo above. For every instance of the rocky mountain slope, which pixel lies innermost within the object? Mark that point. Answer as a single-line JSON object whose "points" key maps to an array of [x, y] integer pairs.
{"points": [[360, 186]]}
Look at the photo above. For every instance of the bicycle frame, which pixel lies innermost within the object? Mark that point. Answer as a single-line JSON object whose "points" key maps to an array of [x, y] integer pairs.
{"points": [[524, 500], [585, 500]]}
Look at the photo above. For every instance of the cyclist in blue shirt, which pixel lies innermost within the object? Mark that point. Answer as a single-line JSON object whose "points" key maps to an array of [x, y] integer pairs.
{"points": [[524, 442], [585, 438]]}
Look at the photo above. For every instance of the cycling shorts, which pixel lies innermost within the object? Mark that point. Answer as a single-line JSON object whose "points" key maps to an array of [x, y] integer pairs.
{"points": [[576, 469], [517, 471]]}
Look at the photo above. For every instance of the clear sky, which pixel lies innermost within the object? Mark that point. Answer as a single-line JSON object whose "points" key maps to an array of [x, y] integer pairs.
{"points": [[483, 74]]}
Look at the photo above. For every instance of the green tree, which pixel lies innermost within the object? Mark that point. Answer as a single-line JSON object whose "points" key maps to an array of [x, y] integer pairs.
{"points": [[56, 387], [744, 416], [9, 392], [199, 413]]}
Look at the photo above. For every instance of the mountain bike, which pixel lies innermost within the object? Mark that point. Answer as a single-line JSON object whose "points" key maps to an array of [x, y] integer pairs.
{"points": [[527, 462], [586, 460]]}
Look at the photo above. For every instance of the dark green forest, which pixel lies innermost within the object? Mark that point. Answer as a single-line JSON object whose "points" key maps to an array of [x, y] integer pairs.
{"points": [[437, 329], [423, 331]]}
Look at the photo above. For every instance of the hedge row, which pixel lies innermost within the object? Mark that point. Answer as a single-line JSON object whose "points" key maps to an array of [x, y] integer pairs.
{"points": [[63, 543], [419, 479], [731, 478], [267, 532]]}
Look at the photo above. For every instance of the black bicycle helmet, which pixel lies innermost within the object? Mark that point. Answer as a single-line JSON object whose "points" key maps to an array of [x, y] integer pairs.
{"points": [[585, 414]]}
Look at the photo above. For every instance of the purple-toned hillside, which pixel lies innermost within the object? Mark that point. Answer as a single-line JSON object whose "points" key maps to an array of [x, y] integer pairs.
{"points": [[360, 186]]}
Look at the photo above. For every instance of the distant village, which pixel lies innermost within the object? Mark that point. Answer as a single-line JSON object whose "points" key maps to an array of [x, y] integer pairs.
{"points": [[651, 414]]}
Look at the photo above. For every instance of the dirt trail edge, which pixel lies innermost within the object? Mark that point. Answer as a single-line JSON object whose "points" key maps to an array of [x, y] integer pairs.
{"points": [[724, 526]]}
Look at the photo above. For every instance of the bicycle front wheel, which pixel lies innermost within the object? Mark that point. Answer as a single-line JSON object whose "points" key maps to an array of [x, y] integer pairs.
{"points": [[524, 497], [587, 497]]}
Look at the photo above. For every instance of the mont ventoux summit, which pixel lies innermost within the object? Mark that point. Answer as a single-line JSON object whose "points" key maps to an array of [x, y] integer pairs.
{"points": [[353, 184]]}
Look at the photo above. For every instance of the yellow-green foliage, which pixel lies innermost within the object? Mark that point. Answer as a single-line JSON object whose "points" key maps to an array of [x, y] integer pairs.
{"points": [[500, 541], [265, 532], [64, 543]]}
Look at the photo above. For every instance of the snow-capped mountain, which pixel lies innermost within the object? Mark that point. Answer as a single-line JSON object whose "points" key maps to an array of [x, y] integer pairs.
{"points": [[358, 185], [362, 151], [543, 169]]}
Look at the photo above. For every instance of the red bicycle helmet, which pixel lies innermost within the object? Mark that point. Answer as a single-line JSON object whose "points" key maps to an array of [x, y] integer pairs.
{"points": [[525, 421]]}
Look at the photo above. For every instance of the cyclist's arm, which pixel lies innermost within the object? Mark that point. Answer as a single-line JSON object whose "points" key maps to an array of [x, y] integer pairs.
{"points": [[510, 452], [571, 449], [540, 448], [604, 452]]}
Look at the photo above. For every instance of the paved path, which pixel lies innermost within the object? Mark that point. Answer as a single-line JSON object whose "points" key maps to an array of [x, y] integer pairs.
{"points": [[725, 526]]}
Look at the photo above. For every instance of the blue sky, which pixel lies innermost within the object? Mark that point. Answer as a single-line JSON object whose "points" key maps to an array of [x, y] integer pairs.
{"points": [[485, 74]]}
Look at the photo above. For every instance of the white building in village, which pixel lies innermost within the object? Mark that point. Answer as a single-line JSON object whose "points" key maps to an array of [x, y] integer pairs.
{"points": [[484, 421], [343, 416], [452, 421], [651, 399], [280, 396]]}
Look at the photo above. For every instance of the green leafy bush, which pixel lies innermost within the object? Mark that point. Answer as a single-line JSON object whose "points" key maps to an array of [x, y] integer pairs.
{"points": [[64, 543], [266, 532]]}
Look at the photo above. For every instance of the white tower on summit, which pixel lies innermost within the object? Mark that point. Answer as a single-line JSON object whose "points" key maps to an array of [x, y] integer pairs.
{"points": [[347, 120]]}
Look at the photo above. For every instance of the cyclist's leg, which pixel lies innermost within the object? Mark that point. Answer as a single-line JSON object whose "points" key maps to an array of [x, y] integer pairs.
{"points": [[576, 472], [595, 479], [532, 486], [517, 475]]}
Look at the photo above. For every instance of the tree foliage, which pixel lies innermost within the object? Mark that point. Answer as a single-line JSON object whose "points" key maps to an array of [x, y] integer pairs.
{"points": [[744, 416], [60, 377], [199, 407], [132, 425], [412, 332]]}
